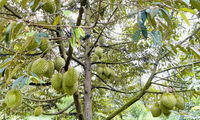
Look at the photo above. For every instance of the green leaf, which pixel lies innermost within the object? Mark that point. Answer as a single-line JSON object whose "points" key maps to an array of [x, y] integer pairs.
{"points": [[57, 20], [151, 20], [136, 35], [157, 38], [81, 32], [19, 79], [173, 48], [36, 5], [111, 5], [165, 26], [188, 10], [39, 37], [185, 18], [143, 16], [2, 3], [144, 33], [73, 42], [18, 28], [23, 3], [153, 10], [2, 24], [166, 16], [196, 52], [77, 33], [23, 82], [182, 49], [8, 33], [5, 64], [13, 72], [196, 107], [195, 4], [66, 12]]}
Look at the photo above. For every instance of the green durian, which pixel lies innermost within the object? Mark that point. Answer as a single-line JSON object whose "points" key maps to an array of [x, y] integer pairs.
{"points": [[13, 98], [49, 6], [163, 108], [95, 58], [99, 70], [59, 62], [39, 66], [56, 81], [99, 52], [106, 71], [167, 114], [38, 111], [155, 110], [70, 90], [101, 91], [70, 77], [50, 70], [45, 45], [168, 100], [180, 102]]}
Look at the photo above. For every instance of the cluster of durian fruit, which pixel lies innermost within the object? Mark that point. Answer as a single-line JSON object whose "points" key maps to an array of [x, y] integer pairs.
{"points": [[168, 102], [68, 82], [103, 72]]}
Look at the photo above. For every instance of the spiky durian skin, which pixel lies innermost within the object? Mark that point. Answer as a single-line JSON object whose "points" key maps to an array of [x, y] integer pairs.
{"points": [[29, 68], [39, 66], [180, 102], [70, 77], [168, 100], [95, 58], [99, 70], [49, 6], [163, 108], [59, 62], [13, 98], [106, 71], [99, 52], [112, 73], [38, 111], [56, 81], [50, 70], [70, 90], [45, 45], [155, 110]]}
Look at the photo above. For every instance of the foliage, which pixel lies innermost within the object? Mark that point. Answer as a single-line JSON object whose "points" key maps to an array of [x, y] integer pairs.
{"points": [[142, 41]]}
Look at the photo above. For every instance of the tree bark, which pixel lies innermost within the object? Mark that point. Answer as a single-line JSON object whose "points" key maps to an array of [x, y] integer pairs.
{"points": [[87, 85]]}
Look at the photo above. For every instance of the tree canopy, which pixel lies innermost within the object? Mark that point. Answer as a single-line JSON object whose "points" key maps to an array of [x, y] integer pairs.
{"points": [[106, 54]]}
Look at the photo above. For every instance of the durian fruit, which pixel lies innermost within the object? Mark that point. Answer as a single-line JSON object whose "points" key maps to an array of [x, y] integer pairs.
{"points": [[99, 52], [99, 70], [101, 91], [167, 114], [49, 6], [70, 90], [31, 44], [50, 70], [95, 58], [56, 81], [39, 66], [45, 45], [168, 100], [38, 111], [155, 110], [29, 68], [163, 108], [106, 71], [13, 98], [59, 62], [180, 102], [101, 40], [112, 73], [70, 77]]}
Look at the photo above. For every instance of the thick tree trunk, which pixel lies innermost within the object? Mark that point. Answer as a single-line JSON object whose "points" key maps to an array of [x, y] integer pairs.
{"points": [[87, 86]]}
